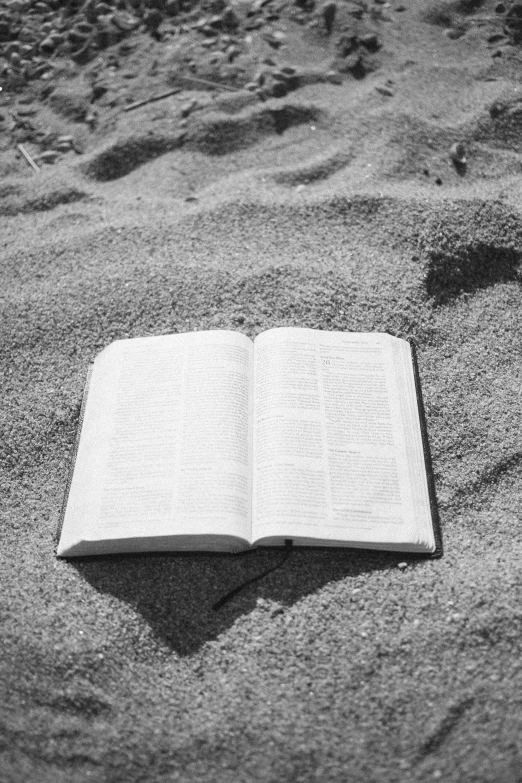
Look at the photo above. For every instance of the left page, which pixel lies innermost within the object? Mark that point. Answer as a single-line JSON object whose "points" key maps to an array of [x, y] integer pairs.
{"points": [[165, 455]]}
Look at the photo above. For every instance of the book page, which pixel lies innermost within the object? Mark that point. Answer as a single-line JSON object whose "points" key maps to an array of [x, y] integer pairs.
{"points": [[333, 457], [165, 447]]}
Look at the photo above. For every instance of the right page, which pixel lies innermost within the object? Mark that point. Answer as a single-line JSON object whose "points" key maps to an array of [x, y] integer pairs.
{"points": [[338, 457]]}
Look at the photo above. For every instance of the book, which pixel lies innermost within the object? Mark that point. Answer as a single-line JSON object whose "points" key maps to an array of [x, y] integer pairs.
{"points": [[209, 441]]}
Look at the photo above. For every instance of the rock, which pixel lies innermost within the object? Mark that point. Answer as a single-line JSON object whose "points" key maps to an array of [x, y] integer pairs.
{"points": [[275, 39], [102, 9], [215, 22], [26, 111], [50, 156], [328, 12], [47, 46], [85, 28], [188, 108], [42, 71], [290, 81], [126, 47], [124, 21], [334, 77], [455, 32], [458, 153], [77, 37], [370, 41], [495, 38], [277, 89], [99, 90], [233, 52], [352, 64]]}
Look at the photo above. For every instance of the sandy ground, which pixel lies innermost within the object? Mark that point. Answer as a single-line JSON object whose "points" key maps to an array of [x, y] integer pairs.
{"points": [[336, 206]]}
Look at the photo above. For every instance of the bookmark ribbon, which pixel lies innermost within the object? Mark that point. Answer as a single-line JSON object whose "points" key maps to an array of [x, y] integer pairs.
{"points": [[236, 590]]}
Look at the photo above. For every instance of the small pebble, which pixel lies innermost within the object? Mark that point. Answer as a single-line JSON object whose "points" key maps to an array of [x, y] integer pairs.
{"points": [[369, 40], [454, 33], [458, 153], [334, 77], [188, 108], [26, 111], [48, 157]]}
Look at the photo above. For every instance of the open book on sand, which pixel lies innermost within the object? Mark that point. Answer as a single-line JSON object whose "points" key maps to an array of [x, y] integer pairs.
{"points": [[211, 441]]}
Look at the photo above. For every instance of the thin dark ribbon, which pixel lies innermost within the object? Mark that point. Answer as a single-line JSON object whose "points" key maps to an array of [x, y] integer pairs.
{"points": [[232, 593]]}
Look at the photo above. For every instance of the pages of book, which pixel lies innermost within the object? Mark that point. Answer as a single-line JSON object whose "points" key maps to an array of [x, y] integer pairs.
{"points": [[165, 448], [209, 441], [337, 443]]}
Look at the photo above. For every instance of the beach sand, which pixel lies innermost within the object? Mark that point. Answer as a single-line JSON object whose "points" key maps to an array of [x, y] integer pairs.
{"points": [[334, 206]]}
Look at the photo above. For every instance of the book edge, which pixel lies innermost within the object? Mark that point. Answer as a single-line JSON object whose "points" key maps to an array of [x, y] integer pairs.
{"points": [[428, 465], [74, 455]]}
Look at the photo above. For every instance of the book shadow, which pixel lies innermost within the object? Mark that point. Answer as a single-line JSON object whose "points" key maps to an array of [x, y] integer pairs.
{"points": [[176, 593]]}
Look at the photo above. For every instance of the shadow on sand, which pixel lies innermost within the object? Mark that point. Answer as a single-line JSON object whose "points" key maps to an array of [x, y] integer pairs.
{"points": [[175, 593]]}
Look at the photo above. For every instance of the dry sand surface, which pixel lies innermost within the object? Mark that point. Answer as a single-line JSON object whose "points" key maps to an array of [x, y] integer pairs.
{"points": [[331, 202]]}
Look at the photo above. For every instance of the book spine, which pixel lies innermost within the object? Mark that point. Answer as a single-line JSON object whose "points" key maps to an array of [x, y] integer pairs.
{"points": [[74, 455], [435, 517]]}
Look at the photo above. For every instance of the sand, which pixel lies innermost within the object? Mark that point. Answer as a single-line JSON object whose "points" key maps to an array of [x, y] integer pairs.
{"points": [[336, 206]]}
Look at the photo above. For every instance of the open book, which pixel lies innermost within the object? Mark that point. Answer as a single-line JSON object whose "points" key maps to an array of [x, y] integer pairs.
{"points": [[211, 441]]}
